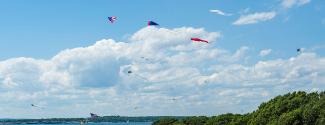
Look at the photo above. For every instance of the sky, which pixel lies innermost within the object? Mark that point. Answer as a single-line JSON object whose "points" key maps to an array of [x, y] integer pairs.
{"points": [[65, 57]]}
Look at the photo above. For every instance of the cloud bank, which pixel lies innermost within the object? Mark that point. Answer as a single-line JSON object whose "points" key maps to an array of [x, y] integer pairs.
{"points": [[165, 65]]}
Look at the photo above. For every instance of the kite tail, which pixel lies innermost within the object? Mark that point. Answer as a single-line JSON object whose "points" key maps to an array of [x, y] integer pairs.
{"points": [[141, 77]]}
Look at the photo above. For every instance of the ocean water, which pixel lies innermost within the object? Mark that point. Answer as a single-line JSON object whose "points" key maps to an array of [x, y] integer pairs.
{"points": [[102, 123]]}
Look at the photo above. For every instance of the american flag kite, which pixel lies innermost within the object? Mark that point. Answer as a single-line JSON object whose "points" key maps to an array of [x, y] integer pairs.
{"points": [[112, 19]]}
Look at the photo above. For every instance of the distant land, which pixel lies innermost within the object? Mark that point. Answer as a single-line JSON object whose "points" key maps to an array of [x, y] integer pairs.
{"points": [[296, 108], [89, 120]]}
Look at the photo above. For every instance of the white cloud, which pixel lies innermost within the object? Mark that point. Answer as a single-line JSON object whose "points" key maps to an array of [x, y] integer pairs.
{"points": [[219, 12], [203, 77], [255, 18], [291, 3], [265, 52]]}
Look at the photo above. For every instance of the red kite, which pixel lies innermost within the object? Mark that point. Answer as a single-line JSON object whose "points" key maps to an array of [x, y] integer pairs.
{"points": [[199, 40]]}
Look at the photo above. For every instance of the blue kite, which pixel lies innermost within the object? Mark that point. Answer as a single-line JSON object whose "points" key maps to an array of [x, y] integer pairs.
{"points": [[151, 23]]}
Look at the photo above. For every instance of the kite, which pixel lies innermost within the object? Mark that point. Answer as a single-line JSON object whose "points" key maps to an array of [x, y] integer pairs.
{"points": [[219, 12], [112, 19], [33, 105], [173, 99], [199, 40], [151, 23], [146, 60], [137, 76], [299, 50]]}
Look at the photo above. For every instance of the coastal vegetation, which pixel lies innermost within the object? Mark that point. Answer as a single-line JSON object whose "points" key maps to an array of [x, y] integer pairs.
{"points": [[296, 108]]}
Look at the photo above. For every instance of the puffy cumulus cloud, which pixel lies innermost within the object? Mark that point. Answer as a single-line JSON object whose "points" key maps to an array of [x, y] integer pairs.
{"points": [[153, 42], [265, 52], [255, 18], [16, 72], [93, 66], [291, 3], [170, 75], [302, 70]]}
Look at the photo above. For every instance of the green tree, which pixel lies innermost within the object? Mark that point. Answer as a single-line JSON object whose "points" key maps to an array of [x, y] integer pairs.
{"points": [[227, 119], [165, 121], [200, 120]]}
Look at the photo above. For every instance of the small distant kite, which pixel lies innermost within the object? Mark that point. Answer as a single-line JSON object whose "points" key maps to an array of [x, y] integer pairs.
{"points": [[112, 19], [173, 99], [199, 40], [152, 23], [219, 12], [137, 76], [147, 60], [299, 50], [33, 105]]}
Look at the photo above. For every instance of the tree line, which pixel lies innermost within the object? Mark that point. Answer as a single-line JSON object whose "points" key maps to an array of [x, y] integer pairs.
{"points": [[296, 108]]}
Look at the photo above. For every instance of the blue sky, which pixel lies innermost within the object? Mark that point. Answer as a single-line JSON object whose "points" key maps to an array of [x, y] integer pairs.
{"points": [[40, 29], [65, 55]]}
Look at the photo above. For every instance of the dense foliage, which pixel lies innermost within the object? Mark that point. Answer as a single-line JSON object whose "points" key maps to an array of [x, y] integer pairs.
{"points": [[166, 121], [297, 108]]}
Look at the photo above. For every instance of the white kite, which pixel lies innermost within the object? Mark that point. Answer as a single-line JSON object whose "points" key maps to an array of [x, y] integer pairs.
{"points": [[219, 12]]}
